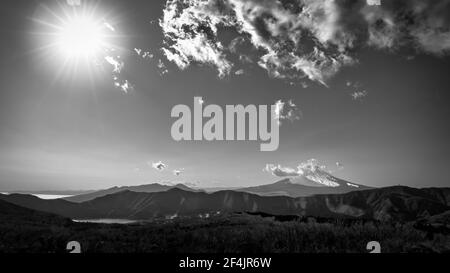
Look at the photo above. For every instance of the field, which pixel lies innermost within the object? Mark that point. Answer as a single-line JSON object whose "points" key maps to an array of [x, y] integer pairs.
{"points": [[233, 233]]}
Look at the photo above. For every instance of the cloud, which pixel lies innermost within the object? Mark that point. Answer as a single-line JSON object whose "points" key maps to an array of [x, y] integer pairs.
{"points": [[126, 86], [191, 36], [316, 172], [298, 40], [178, 172], [310, 166], [310, 169], [280, 171], [239, 72], [303, 169], [286, 111], [162, 67], [143, 54], [359, 95], [159, 166], [357, 92], [373, 2], [189, 29], [424, 25], [382, 30], [235, 44], [119, 82], [116, 63]]}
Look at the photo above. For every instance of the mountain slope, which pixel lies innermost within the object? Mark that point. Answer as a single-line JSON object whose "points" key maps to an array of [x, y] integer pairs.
{"points": [[392, 203], [10, 212], [302, 186], [56, 206], [155, 187]]}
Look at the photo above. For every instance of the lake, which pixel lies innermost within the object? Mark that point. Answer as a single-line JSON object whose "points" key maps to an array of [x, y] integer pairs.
{"points": [[50, 196]]}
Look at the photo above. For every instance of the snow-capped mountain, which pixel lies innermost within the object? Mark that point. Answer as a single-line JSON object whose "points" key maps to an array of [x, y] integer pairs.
{"points": [[308, 183]]}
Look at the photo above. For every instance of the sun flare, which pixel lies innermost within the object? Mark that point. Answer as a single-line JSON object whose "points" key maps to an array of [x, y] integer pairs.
{"points": [[77, 41], [80, 37]]}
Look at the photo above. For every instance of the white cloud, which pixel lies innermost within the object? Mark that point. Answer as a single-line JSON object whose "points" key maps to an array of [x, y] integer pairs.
{"points": [[120, 83], [162, 67], [188, 37], [294, 40], [383, 32], [116, 63], [126, 86], [286, 111], [280, 171], [143, 54], [359, 95], [159, 166], [305, 168], [239, 72], [191, 35], [178, 172], [373, 2], [310, 169], [310, 166]]}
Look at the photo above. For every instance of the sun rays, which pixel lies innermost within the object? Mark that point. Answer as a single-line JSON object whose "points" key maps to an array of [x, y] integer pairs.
{"points": [[77, 41]]}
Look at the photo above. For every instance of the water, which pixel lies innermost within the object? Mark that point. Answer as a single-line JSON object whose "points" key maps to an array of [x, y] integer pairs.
{"points": [[50, 196], [99, 221], [106, 221]]}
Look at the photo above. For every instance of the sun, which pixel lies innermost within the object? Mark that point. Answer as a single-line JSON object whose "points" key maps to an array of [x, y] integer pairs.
{"points": [[76, 42], [80, 36], [80, 45]]}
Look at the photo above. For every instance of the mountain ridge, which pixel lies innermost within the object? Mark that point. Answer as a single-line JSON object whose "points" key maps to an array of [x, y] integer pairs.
{"points": [[398, 203], [287, 187], [153, 187]]}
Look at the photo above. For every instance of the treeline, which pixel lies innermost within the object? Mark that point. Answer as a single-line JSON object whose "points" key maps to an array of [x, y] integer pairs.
{"points": [[235, 233]]}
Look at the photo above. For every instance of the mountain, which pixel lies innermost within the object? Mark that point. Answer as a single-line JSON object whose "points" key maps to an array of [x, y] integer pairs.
{"points": [[393, 203], [56, 206], [442, 194], [316, 181], [155, 187], [301, 186], [10, 212]]}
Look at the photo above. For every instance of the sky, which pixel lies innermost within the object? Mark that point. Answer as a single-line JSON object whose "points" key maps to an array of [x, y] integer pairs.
{"points": [[365, 90]]}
